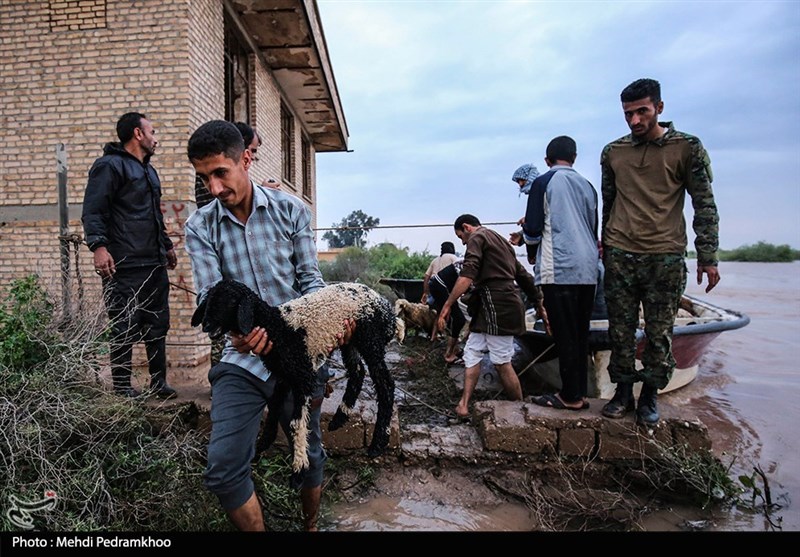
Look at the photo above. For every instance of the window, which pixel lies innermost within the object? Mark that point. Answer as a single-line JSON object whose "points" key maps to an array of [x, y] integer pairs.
{"points": [[287, 145], [237, 76], [305, 152]]}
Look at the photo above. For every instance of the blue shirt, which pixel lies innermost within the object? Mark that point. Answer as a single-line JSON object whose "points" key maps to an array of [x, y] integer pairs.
{"points": [[273, 253], [562, 219]]}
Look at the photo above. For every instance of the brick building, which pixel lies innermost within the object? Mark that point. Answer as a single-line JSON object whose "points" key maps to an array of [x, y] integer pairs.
{"points": [[70, 68]]}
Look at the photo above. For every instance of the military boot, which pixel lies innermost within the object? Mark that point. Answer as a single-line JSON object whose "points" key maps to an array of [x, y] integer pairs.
{"points": [[621, 403], [646, 410]]}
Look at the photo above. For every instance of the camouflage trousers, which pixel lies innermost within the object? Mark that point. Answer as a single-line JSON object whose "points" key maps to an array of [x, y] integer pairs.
{"points": [[656, 281]]}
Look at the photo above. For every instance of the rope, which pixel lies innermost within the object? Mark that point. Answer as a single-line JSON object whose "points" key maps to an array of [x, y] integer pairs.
{"points": [[527, 367], [404, 226], [179, 287], [76, 245], [405, 392]]}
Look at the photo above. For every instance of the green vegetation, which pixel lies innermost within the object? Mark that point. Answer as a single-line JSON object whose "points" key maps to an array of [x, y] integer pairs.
{"points": [[353, 230], [369, 265], [761, 252], [25, 309], [113, 463]]}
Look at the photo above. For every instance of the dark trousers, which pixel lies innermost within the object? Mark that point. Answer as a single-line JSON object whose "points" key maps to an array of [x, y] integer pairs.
{"points": [[569, 309], [237, 406], [657, 282], [456, 321], [137, 301]]}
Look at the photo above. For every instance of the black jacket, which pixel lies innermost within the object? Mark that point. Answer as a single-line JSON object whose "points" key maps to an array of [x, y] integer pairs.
{"points": [[122, 210]]}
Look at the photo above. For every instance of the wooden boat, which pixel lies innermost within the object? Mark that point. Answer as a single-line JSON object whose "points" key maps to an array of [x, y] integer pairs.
{"points": [[698, 323]]}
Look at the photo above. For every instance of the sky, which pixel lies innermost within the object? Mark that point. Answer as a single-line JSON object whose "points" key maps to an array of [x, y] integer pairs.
{"points": [[445, 99]]}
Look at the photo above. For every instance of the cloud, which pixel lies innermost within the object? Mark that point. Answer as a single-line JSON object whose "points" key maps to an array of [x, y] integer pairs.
{"points": [[445, 99]]}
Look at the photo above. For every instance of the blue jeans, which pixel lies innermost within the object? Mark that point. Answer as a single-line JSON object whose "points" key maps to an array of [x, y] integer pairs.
{"points": [[237, 406]]}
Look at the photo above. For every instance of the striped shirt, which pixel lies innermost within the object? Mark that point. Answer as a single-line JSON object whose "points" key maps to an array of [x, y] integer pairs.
{"points": [[273, 253]]}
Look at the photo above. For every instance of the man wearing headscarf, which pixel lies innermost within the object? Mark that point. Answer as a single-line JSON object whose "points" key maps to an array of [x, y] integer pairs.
{"points": [[524, 176]]}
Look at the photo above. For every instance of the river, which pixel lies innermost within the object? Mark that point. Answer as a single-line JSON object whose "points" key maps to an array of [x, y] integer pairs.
{"points": [[746, 392]]}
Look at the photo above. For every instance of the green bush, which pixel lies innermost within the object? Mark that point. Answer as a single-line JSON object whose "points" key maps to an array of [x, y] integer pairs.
{"points": [[368, 266], [762, 252], [25, 314], [114, 464]]}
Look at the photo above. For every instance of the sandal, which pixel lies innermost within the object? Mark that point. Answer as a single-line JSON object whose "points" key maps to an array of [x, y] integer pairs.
{"points": [[552, 401]]}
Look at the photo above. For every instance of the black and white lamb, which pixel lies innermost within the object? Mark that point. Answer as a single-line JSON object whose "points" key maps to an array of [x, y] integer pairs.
{"points": [[301, 332]]}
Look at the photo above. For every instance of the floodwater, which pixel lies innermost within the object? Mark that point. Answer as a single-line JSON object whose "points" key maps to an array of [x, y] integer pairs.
{"points": [[746, 392]]}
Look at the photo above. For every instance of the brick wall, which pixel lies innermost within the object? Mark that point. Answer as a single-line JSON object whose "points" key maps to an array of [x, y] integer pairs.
{"points": [[70, 69]]}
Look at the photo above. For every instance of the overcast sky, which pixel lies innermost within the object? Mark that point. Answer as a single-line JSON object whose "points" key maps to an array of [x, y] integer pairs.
{"points": [[445, 99]]}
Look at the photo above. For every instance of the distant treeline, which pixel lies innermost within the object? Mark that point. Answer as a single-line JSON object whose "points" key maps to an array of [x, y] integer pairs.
{"points": [[762, 251]]}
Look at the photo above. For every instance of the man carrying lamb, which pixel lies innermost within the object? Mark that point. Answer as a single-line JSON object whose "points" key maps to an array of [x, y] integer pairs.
{"points": [[260, 237]]}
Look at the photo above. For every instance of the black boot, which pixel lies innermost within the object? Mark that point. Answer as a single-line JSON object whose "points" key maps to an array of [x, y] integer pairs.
{"points": [[621, 403], [120, 353], [157, 360], [160, 388], [646, 410], [121, 380]]}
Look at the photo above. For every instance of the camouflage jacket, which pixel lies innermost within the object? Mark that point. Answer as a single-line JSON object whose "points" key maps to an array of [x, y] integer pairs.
{"points": [[643, 187]]}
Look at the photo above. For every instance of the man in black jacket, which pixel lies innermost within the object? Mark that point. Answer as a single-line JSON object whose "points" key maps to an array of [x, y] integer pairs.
{"points": [[124, 228]]}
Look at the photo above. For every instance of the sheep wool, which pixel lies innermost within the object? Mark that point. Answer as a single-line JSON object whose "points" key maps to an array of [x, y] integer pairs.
{"points": [[415, 316], [303, 331], [327, 309]]}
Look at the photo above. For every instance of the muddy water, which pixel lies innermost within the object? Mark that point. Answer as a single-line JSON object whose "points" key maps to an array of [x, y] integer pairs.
{"points": [[747, 393]]}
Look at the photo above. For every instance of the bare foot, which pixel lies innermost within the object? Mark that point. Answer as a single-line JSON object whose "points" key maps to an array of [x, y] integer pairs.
{"points": [[462, 411]]}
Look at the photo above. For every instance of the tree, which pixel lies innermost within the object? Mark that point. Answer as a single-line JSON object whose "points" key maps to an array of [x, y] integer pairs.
{"points": [[352, 231]]}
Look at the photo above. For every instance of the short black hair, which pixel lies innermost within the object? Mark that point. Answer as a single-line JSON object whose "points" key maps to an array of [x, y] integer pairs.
{"points": [[214, 138], [562, 148], [448, 247], [642, 89], [127, 123], [471, 220], [247, 132]]}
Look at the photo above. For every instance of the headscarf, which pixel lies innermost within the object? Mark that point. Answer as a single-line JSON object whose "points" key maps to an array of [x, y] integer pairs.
{"points": [[527, 172]]}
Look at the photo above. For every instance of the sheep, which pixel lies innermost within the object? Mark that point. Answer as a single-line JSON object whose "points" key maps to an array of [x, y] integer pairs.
{"points": [[301, 331], [417, 316]]}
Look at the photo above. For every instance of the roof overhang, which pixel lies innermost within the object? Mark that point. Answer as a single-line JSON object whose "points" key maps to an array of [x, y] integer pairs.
{"points": [[288, 38]]}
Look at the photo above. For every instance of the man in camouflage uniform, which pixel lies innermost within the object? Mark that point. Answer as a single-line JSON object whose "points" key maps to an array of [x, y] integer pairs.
{"points": [[645, 177]]}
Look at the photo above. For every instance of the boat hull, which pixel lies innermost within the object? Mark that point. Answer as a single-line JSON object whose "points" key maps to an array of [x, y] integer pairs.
{"points": [[691, 338], [535, 359]]}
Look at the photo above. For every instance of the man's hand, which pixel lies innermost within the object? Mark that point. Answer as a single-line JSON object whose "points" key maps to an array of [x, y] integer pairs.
{"points": [[104, 263], [515, 239], [349, 327], [441, 323], [172, 259], [713, 275], [256, 341], [542, 314]]}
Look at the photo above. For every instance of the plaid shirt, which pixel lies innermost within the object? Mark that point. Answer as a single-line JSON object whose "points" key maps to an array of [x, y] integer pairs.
{"points": [[274, 254]]}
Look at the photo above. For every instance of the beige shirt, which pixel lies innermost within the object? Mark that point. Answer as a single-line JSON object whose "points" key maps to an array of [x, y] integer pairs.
{"points": [[440, 263]]}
